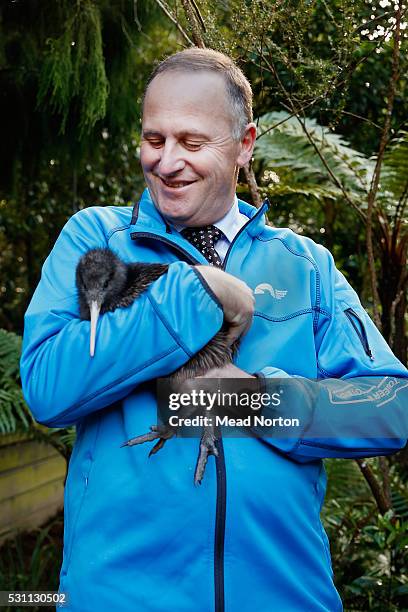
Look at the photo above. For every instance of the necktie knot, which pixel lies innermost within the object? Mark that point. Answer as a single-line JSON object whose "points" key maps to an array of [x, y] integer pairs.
{"points": [[204, 239]]}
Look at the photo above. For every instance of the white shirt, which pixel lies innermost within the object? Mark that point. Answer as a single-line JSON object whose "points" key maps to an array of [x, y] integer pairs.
{"points": [[230, 224]]}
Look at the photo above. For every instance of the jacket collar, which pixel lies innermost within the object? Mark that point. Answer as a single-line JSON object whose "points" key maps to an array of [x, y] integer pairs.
{"points": [[147, 219]]}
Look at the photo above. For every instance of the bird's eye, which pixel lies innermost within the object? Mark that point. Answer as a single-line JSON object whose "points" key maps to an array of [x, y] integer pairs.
{"points": [[105, 284]]}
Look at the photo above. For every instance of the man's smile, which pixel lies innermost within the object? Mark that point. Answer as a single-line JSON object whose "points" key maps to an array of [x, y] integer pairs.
{"points": [[176, 185]]}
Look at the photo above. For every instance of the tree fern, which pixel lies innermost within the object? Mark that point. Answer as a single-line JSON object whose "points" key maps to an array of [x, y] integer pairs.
{"points": [[287, 150], [14, 414], [289, 164], [394, 175]]}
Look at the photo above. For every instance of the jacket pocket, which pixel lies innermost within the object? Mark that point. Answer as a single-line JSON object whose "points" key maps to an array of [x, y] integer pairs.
{"points": [[72, 514], [358, 326], [76, 486]]}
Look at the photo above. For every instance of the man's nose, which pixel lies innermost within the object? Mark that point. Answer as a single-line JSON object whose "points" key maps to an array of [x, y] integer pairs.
{"points": [[171, 160]]}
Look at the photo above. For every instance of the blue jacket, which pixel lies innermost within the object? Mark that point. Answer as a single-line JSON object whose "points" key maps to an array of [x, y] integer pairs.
{"points": [[138, 534]]}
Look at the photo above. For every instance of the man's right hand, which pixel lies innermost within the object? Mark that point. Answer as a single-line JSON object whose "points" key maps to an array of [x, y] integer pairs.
{"points": [[236, 298]]}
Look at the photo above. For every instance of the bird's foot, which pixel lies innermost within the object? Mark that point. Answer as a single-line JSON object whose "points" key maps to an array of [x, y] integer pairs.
{"points": [[207, 447], [163, 432]]}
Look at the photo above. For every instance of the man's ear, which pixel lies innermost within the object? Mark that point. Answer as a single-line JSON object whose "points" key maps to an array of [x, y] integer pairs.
{"points": [[247, 145]]}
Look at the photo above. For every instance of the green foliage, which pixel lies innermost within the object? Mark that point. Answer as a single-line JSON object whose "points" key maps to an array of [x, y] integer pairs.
{"points": [[331, 58], [69, 118], [287, 150], [32, 561], [393, 193], [57, 72], [369, 551], [14, 414], [292, 174], [277, 35], [65, 76]]}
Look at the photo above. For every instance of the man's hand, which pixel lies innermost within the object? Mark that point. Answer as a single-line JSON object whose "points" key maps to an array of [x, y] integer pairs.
{"points": [[236, 298]]}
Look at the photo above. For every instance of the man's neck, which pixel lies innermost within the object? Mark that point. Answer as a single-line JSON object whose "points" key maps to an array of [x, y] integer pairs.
{"points": [[233, 209]]}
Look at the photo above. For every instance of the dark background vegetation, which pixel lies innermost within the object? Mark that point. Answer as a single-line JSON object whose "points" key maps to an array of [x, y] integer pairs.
{"points": [[329, 81]]}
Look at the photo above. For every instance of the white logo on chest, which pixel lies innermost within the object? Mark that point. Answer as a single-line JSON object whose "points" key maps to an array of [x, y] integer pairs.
{"points": [[278, 294]]}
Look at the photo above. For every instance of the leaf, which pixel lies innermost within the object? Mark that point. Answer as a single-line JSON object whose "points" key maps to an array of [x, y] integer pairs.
{"points": [[287, 150]]}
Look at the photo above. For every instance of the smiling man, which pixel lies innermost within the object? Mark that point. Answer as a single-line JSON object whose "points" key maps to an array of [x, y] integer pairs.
{"points": [[192, 145], [138, 535]]}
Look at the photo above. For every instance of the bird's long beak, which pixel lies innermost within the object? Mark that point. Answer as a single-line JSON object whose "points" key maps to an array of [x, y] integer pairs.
{"points": [[95, 308]]}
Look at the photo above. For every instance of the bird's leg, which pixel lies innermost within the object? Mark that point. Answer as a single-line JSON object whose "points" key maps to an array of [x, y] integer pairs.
{"points": [[163, 432], [207, 447]]}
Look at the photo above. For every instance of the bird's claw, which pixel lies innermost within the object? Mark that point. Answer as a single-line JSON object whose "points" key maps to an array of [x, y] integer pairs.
{"points": [[163, 432], [207, 447]]}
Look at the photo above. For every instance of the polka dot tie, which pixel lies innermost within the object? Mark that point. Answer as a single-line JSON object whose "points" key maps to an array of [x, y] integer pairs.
{"points": [[204, 238]]}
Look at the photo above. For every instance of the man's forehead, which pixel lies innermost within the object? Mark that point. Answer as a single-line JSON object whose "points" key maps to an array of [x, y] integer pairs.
{"points": [[149, 130], [198, 89], [187, 76], [193, 97]]}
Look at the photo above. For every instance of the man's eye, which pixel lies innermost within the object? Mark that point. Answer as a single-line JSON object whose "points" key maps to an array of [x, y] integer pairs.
{"points": [[192, 146], [156, 143]]}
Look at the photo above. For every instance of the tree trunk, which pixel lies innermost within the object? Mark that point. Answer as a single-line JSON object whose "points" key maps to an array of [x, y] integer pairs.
{"points": [[393, 327], [330, 213], [399, 343]]}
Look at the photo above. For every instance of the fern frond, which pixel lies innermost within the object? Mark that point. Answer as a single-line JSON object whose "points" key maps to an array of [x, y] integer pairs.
{"points": [[394, 174], [287, 150], [14, 413]]}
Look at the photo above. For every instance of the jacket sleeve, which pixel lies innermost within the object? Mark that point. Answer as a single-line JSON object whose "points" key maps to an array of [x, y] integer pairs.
{"points": [[158, 333], [359, 405]]}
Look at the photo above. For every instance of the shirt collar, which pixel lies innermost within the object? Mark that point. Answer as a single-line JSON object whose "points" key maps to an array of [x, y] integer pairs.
{"points": [[147, 220], [230, 223]]}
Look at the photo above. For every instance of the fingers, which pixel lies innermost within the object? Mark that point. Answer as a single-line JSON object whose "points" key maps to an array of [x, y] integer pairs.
{"points": [[236, 298], [240, 324]]}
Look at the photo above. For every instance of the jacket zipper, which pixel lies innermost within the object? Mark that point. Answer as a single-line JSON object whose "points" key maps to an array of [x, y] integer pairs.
{"points": [[221, 503], [220, 515], [260, 211], [221, 506], [360, 330], [220, 509]]}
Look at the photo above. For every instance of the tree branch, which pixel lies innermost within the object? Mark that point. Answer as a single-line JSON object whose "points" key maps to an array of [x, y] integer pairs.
{"points": [[198, 14], [382, 502], [385, 475], [253, 187], [402, 287], [334, 178], [336, 83], [402, 202], [378, 165], [194, 24], [168, 14]]}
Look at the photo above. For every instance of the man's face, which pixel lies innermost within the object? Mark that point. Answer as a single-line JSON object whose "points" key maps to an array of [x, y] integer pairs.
{"points": [[188, 156]]}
